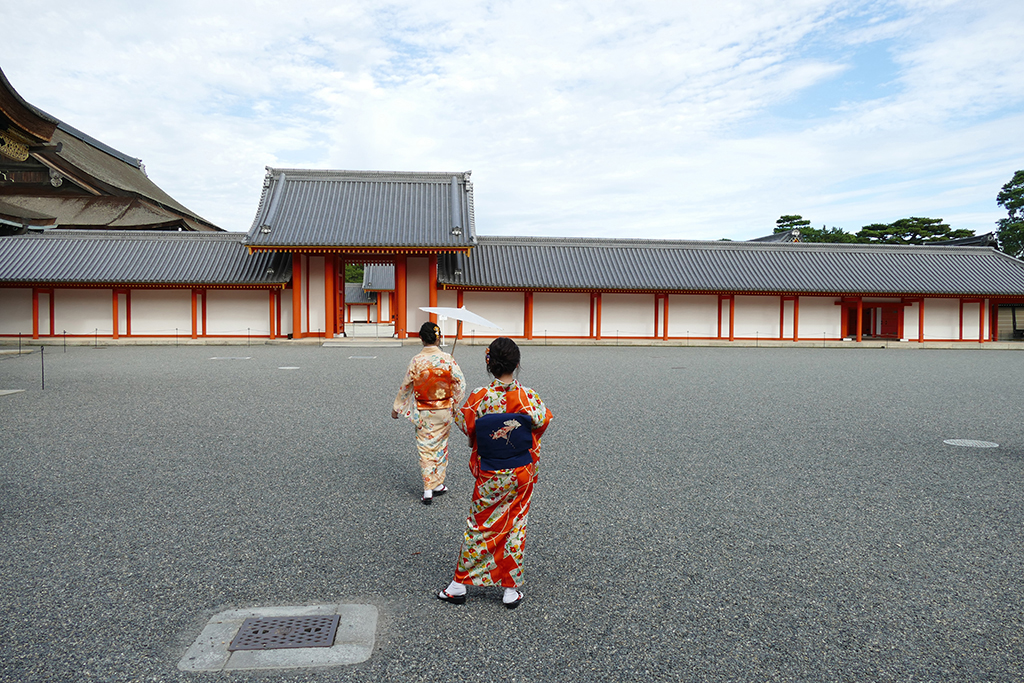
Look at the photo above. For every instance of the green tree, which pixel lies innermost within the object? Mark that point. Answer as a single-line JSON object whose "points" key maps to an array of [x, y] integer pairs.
{"points": [[1011, 228], [832, 235], [354, 272], [913, 230], [786, 223]]}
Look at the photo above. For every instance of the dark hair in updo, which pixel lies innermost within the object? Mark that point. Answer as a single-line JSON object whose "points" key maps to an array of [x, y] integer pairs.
{"points": [[502, 357], [429, 332]]}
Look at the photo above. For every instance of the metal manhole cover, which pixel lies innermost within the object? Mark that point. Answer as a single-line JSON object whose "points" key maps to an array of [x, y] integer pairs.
{"points": [[971, 443], [278, 633]]}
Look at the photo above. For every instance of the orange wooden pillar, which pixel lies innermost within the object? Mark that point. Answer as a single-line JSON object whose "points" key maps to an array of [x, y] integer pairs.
{"points": [[401, 278], [330, 294], [732, 318], [195, 313], [458, 304], [657, 305], [297, 296], [860, 318], [920, 321], [35, 313], [432, 286], [273, 314], [528, 315], [664, 334]]}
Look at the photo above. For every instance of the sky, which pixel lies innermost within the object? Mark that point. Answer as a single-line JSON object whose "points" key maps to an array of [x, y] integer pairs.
{"points": [[658, 119]]}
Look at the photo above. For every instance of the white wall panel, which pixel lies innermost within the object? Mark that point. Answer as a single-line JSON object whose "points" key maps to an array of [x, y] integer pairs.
{"points": [[84, 311], [942, 319], [627, 315], [160, 311], [417, 276], [693, 315], [561, 314], [757, 316], [238, 312], [16, 311], [819, 315], [501, 308]]}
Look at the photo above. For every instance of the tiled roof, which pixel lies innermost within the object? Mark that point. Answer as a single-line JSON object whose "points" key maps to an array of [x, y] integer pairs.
{"points": [[650, 265], [364, 209], [139, 258], [354, 294], [379, 277]]}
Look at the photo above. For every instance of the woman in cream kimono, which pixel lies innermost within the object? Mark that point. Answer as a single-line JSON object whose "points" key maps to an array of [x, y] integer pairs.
{"points": [[433, 387]]}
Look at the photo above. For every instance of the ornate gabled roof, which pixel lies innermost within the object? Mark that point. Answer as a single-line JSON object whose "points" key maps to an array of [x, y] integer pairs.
{"points": [[755, 267], [370, 211], [44, 157]]}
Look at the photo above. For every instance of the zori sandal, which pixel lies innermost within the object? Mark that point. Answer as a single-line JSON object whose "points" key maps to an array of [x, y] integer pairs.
{"points": [[453, 599], [514, 603]]}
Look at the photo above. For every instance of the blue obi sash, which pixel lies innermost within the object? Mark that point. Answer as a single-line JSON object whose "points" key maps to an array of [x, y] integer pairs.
{"points": [[503, 441]]}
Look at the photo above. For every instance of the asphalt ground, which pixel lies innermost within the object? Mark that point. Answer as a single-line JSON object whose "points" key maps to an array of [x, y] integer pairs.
{"points": [[702, 514]]}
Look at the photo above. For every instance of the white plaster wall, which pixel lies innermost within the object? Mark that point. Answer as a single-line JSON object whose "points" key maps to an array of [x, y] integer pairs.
{"points": [[941, 319], [237, 312], [756, 316], [286, 312], [417, 274], [84, 311], [16, 311], [819, 315], [160, 311], [561, 314], [316, 307], [971, 327], [627, 315], [693, 315], [911, 316], [501, 308]]}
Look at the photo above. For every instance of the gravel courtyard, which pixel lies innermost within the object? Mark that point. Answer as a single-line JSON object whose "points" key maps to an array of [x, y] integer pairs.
{"points": [[702, 514]]}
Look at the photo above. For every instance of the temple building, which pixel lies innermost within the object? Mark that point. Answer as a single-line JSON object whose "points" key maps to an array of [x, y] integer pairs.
{"points": [[90, 247]]}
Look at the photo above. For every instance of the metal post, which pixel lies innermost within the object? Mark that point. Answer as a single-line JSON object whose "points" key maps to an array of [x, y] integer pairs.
{"points": [[65, 341], [42, 368]]}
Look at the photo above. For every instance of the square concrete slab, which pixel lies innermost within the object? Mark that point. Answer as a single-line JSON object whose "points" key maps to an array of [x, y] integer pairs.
{"points": [[353, 642]]}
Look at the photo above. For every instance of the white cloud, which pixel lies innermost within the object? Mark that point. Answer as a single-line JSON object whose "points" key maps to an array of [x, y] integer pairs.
{"points": [[653, 119]]}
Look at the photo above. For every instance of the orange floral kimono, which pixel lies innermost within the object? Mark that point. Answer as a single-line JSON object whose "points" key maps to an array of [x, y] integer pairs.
{"points": [[495, 536], [432, 388]]}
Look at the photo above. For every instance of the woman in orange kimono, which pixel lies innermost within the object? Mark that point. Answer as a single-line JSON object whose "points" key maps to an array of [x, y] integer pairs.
{"points": [[433, 387], [504, 422]]}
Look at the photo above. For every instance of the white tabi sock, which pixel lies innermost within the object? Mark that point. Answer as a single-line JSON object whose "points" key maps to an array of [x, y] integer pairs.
{"points": [[511, 595], [428, 493], [455, 589]]}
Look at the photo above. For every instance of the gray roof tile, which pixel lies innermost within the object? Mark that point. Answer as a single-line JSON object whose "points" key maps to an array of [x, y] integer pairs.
{"points": [[364, 209], [139, 258], [776, 267]]}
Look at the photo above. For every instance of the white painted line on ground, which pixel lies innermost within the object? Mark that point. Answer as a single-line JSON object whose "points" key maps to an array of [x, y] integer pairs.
{"points": [[231, 358], [289, 367], [362, 357], [970, 443], [4, 392]]}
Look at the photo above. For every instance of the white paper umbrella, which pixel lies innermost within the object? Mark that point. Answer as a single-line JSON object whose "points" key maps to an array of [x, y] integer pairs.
{"points": [[460, 314]]}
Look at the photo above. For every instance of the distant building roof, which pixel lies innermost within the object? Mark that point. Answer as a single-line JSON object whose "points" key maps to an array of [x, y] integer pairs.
{"points": [[379, 277], [354, 294], [785, 236], [755, 267], [372, 211], [139, 258]]}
